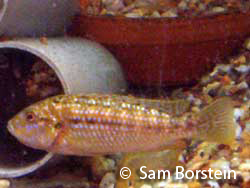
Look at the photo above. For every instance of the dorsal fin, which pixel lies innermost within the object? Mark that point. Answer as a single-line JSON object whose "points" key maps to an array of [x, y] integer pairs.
{"points": [[172, 107]]}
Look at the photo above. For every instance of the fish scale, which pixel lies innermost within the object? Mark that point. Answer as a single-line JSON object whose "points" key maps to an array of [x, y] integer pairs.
{"points": [[105, 124]]}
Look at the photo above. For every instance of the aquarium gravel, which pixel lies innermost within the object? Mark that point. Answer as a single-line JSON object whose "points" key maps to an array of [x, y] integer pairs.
{"points": [[230, 79], [163, 8]]}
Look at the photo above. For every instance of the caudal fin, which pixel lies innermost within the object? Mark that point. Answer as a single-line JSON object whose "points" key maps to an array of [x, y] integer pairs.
{"points": [[217, 122]]}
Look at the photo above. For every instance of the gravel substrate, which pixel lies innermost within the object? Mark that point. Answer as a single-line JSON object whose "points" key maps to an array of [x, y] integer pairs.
{"points": [[163, 8], [230, 79]]}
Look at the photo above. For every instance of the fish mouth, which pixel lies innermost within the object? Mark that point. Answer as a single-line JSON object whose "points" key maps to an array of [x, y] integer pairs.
{"points": [[10, 128]]}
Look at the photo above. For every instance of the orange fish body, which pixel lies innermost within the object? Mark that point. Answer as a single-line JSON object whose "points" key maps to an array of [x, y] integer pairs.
{"points": [[106, 124]]}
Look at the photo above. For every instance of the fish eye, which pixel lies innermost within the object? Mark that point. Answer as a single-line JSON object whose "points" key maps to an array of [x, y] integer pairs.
{"points": [[58, 125], [30, 116], [202, 154]]}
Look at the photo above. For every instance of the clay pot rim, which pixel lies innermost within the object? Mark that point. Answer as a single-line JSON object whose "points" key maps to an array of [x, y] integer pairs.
{"points": [[115, 30], [168, 19]]}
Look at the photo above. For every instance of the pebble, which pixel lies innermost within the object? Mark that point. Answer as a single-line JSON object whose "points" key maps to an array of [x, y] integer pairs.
{"points": [[146, 186], [238, 113], [238, 131], [133, 15], [222, 69], [170, 14], [221, 164], [247, 44], [177, 185], [235, 162], [243, 69], [194, 184], [183, 5], [108, 181], [213, 184], [198, 102], [160, 185], [156, 14], [218, 10], [243, 85], [245, 167], [247, 126], [101, 165], [191, 98], [246, 176], [239, 60], [211, 87], [4, 183]]}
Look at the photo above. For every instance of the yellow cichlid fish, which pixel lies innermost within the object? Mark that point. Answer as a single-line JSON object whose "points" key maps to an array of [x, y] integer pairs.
{"points": [[88, 125]]}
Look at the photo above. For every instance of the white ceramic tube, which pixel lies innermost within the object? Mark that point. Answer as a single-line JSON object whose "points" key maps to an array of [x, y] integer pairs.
{"points": [[82, 66]]}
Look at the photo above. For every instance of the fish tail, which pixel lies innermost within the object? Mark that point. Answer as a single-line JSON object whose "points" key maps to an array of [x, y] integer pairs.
{"points": [[217, 122]]}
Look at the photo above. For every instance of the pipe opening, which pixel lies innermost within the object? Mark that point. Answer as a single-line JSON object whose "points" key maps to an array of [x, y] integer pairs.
{"points": [[24, 79]]}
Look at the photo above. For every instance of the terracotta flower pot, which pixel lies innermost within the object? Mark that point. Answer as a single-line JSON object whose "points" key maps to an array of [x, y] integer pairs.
{"points": [[160, 51]]}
